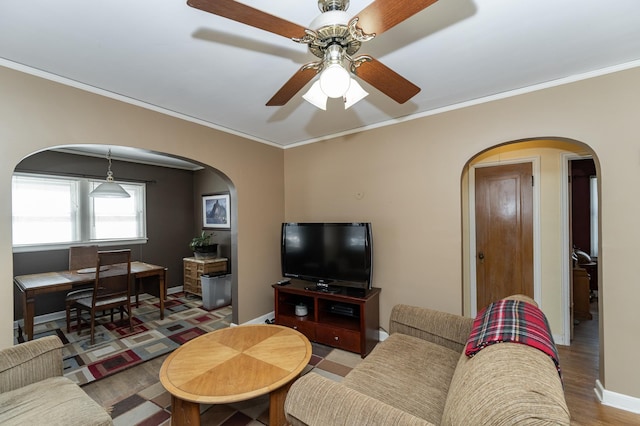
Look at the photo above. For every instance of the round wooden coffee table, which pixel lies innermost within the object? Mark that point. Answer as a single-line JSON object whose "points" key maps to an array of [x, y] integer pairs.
{"points": [[234, 364]]}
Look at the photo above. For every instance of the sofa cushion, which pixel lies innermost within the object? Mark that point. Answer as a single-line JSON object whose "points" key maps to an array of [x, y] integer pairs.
{"points": [[54, 401], [506, 384], [407, 373]]}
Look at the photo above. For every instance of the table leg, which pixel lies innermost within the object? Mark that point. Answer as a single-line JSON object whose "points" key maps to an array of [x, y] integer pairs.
{"points": [[276, 405], [163, 291], [184, 412], [136, 282], [28, 312]]}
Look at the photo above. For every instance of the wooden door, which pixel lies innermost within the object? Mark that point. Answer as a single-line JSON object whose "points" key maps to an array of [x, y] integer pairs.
{"points": [[504, 232]]}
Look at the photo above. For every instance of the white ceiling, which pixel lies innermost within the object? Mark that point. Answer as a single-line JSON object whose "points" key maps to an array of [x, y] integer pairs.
{"points": [[167, 56]]}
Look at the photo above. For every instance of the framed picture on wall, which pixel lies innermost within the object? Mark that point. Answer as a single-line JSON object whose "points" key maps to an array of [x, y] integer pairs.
{"points": [[216, 211]]}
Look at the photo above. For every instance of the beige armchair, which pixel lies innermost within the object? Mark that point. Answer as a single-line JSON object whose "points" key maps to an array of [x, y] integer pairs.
{"points": [[33, 390]]}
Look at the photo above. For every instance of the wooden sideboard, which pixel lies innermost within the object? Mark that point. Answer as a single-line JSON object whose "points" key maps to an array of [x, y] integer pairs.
{"points": [[581, 304], [194, 268]]}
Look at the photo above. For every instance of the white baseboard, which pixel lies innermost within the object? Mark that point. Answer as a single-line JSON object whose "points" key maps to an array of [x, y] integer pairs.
{"points": [[261, 319], [559, 339], [617, 400]]}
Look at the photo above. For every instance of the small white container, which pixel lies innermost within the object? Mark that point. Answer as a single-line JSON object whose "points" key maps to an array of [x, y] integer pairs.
{"points": [[301, 310]]}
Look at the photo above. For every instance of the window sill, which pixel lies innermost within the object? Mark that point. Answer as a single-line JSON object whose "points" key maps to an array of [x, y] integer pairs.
{"points": [[65, 246]]}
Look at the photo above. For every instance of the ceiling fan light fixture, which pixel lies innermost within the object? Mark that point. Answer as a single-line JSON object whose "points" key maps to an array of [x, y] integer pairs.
{"points": [[335, 81], [316, 96], [354, 95]]}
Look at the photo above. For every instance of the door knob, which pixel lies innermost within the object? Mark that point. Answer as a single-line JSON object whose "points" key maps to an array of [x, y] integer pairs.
{"points": [[481, 256]]}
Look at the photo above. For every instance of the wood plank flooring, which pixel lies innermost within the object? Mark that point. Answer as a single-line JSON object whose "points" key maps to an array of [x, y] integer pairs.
{"points": [[579, 363]]}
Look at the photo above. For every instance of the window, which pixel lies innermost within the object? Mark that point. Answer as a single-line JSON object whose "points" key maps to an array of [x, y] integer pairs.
{"points": [[57, 211]]}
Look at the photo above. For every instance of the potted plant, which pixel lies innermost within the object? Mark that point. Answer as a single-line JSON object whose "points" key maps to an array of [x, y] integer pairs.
{"points": [[202, 246]]}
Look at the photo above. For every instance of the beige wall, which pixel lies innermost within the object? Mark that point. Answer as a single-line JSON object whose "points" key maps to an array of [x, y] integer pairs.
{"points": [[406, 179], [36, 114], [410, 177]]}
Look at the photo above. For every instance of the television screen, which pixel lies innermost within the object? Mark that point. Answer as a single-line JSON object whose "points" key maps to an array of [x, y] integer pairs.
{"points": [[328, 253]]}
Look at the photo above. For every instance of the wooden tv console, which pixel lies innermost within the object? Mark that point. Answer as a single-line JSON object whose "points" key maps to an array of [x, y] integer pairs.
{"points": [[347, 320]]}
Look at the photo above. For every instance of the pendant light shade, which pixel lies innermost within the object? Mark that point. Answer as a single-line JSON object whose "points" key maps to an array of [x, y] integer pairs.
{"points": [[109, 189]]}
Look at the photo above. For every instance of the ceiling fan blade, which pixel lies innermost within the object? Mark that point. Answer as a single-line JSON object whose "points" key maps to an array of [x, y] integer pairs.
{"points": [[386, 80], [293, 86], [244, 14], [382, 15]]}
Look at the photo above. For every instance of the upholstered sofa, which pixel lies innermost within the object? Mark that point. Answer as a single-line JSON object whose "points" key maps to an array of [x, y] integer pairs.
{"points": [[33, 390], [420, 375]]}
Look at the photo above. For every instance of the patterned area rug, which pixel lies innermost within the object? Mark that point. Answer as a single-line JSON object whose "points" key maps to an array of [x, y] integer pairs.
{"points": [[117, 348], [152, 406]]}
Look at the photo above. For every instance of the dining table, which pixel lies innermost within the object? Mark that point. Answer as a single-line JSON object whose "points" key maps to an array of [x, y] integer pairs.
{"points": [[146, 275]]}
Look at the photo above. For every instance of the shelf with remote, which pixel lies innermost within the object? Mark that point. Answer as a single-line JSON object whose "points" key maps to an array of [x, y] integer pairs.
{"points": [[345, 318]]}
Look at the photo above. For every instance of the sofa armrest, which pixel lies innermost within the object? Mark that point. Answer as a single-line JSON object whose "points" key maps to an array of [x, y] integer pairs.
{"points": [[442, 328], [314, 400], [30, 362]]}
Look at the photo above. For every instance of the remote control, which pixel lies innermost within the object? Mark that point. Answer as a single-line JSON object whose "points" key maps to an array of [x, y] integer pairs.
{"points": [[284, 281]]}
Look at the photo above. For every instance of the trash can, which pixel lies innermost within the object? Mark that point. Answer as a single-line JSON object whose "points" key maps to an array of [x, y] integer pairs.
{"points": [[216, 290]]}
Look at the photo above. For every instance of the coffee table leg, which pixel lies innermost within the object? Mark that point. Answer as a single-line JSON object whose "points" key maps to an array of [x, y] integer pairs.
{"points": [[276, 405], [184, 412]]}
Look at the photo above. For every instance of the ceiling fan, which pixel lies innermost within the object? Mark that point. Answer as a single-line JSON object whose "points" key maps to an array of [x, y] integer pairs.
{"points": [[334, 37]]}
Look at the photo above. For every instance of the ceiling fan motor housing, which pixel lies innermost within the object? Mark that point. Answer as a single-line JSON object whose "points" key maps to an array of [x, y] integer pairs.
{"points": [[332, 27]]}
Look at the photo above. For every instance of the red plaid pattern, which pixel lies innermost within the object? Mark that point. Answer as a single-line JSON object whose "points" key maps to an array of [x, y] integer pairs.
{"points": [[512, 321]]}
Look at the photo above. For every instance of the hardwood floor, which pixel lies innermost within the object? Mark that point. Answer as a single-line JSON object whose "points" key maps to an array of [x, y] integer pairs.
{"points": [[580, 369], [579, 363]]}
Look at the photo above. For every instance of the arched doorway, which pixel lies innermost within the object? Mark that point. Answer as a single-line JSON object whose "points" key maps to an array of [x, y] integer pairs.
{"points": [[174, 189], [551, 239]]}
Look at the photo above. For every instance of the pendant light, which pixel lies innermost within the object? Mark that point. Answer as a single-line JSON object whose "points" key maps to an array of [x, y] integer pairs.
{"points": [[109, 189]]}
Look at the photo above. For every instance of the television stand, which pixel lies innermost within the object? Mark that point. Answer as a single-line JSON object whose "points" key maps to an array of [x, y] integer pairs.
{"points": [[346, 320]]}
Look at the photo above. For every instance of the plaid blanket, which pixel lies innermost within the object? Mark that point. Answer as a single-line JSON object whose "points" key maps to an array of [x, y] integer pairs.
{"points": [[512, 321]]}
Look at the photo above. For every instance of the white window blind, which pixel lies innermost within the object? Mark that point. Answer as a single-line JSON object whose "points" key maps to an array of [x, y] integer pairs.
{"points": [[45, 210], [52, 210], [117, 218]]}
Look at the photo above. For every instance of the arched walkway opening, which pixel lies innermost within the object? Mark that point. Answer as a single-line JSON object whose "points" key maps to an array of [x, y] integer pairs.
{"points": [[552, 242], [174, 196]]}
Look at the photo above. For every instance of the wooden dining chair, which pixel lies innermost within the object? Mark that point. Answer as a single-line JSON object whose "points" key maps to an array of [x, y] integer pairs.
{"points": [[80, 257], [112, 289]]}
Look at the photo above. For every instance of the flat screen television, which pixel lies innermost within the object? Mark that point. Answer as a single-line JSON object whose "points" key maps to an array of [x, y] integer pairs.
{"points": [[329, 254]]}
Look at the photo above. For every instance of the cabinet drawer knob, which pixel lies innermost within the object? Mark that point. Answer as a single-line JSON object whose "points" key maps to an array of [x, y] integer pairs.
{"points": [[336, 338]]}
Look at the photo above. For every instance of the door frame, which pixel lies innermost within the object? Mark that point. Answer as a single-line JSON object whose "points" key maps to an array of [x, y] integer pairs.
{"points": [[535, 168], [566, 157]]}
